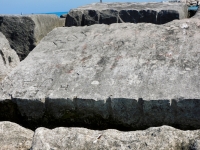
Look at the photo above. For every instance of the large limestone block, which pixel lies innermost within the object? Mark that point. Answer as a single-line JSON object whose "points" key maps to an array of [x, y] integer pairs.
{"points": [[8, 57], [127, 76], [14, 137], [121, 61], [25, 32], [164, 137], [107, 13]]}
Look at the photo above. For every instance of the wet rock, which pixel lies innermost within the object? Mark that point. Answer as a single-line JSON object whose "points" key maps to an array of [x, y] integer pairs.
{"points": [[15, 137], [108, 13], [164, 137], [8, 57], [25, 32]]}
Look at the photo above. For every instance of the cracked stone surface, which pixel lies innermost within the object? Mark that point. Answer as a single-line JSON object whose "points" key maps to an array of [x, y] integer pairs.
{"points": [[126, 76]]}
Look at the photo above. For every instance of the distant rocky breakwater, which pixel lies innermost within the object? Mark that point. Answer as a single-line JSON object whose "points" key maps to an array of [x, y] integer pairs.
{"points": [[108, 13], [122, 76]]}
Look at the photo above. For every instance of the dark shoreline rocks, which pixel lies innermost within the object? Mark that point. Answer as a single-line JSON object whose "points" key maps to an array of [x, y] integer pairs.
{"points": [[108, 13], [25, 32]]}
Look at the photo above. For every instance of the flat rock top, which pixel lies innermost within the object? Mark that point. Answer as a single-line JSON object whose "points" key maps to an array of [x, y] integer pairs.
{"points": [[164, 137], [132, 6], [119, 60]]}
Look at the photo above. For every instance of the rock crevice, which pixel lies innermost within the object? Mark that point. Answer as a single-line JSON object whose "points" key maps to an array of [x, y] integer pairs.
{"points": [[118, 113]]}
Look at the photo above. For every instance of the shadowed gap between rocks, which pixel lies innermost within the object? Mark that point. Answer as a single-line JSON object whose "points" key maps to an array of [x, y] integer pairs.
{"points": [[191, 13], [114, 113]]}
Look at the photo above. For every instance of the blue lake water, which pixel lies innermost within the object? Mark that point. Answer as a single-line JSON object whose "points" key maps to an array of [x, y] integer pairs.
{"points": [[56, 13]]}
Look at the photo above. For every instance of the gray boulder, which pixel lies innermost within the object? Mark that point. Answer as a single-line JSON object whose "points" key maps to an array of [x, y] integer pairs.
{"points": [[83, 139], [25, 32], [8, 57], [124, 76], [108, 13], [14, 137]]}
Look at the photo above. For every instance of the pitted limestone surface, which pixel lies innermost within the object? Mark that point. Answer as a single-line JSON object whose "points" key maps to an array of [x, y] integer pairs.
{"points": [[125, 75], [120, 61]]}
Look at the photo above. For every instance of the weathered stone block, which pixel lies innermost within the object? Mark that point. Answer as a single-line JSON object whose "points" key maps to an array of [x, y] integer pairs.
{"points": [[8, 57], [125, 76], [25, 32], [107, 13]]}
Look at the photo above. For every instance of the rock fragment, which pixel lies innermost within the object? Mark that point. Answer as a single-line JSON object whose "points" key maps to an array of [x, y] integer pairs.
{"points": [[164, 137], [8, 57], [14, 137]]}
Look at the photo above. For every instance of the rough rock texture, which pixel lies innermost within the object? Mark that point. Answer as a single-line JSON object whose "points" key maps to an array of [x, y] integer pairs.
{"points": [[83, 139], [108, 13], [124, 76], [25, 32], [8, 57], [14, 137]]}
